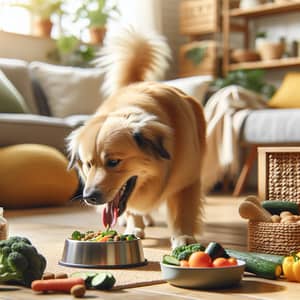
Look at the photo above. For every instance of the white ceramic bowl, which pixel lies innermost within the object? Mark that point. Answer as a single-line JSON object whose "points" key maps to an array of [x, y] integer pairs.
{"points": [[203, 278], [119, 254]]}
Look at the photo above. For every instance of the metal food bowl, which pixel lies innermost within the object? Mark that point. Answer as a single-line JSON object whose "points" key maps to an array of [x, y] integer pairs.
{"points": [[115, 254]]}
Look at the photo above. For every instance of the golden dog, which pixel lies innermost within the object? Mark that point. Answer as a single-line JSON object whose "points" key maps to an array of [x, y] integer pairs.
{"points": [[145, 144]]}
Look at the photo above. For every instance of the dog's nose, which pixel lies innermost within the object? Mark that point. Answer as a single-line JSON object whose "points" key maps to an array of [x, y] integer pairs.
{"points": [[92, 196]]}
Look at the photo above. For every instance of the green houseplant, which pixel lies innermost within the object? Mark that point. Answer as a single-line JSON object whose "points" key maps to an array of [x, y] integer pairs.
{"points": [[97, 13], [42, 11]]}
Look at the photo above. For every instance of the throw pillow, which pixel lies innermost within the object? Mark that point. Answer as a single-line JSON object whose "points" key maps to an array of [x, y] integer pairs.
{"points": [[195, 86], [11, 100], [69, 90], [288, 95], [17, 72], [34, 175]]}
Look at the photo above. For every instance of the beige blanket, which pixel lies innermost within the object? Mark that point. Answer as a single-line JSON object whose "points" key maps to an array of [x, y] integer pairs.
{"points": [[225, 113]]}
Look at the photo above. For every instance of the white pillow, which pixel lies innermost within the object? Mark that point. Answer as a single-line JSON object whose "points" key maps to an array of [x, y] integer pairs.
{"points": [[195, 86], [69, 90]]}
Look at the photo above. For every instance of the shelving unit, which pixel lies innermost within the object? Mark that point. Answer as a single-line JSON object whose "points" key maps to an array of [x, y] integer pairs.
{"points": [[200, 22], [246, 15]]}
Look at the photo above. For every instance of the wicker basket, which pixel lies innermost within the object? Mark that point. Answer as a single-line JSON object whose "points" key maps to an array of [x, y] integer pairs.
{"points": [[278, 179], [199, 17], [207, 66]]}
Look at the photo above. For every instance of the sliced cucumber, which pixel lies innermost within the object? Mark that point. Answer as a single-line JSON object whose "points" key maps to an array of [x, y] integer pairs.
{"points": [[275, 207], [170, 260], [86, 276], [103, 281]]}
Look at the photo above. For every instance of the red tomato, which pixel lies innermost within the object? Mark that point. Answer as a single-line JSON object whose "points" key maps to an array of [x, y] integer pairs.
{"points": [[184, 263], [199, 259], [220, 262], [232, 261]]}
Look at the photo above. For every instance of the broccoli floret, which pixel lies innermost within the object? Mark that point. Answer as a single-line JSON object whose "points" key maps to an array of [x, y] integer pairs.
{"points": [[183, 252], [20, 261]]}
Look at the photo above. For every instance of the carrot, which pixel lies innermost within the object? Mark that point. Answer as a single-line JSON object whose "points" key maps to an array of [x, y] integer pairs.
{"points": [[59, 284]]}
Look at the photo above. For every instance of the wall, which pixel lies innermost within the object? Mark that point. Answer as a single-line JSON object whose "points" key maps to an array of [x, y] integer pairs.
{"points": [[25, 47]]}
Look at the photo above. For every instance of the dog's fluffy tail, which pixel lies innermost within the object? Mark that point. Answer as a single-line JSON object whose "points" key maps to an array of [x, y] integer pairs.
{"points": [[130, 57]]}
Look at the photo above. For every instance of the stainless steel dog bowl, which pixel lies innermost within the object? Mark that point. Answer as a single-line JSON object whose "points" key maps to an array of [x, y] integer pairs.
{"points": [[119, 254]]}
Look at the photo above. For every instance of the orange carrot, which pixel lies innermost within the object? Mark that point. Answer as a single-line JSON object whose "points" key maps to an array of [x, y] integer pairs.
{"points": [[59, 284], [104, 239]]}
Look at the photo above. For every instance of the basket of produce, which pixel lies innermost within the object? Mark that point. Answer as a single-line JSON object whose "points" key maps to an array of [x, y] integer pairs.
{"points": [[274, 220]]}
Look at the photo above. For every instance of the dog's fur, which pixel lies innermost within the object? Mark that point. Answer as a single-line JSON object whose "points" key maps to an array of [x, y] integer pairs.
{"points": [[144, 129]]}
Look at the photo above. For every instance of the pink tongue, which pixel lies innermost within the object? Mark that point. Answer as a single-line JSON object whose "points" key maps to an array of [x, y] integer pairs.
{"points": [[109, 215]]}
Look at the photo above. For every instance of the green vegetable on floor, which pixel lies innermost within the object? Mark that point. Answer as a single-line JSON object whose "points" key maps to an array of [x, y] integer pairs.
{"points": [[258, 264], [20, 262], [96, 280]]}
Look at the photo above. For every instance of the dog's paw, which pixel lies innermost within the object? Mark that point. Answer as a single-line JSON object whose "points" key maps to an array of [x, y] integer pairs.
{"points": [[138, 232], [182, 240]]}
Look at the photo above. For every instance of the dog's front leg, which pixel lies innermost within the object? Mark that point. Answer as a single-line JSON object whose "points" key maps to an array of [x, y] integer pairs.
{"points": [[134, 224], [185, 215]]}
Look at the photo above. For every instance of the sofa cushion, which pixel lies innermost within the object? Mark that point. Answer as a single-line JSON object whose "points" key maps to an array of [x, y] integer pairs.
{"points": [[35, 176], [272, 126], [195, 86], [28, 128], [11, 101], [69, 90], [17, 72], [288, 94]]}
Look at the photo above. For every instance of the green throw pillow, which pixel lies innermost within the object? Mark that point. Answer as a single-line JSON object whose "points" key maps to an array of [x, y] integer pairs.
{"points": [[11, 101]]}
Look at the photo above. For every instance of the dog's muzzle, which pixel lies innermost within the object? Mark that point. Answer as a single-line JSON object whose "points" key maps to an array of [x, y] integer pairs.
{"points": [[92, 196]]}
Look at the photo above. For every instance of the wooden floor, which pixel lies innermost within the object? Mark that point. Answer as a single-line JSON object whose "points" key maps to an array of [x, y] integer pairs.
{"points": [[47, 229]]}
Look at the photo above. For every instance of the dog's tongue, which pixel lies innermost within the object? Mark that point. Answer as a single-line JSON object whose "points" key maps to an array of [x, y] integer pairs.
{"points": [[110, 212], [109, 215]]}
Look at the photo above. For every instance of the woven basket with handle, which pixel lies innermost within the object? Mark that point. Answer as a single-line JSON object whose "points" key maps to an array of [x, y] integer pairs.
{"points": [[278, 179]]}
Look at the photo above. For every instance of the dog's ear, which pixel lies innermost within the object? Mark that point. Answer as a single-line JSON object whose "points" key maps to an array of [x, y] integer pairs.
{"points": [[154, 147], [72, 161]]}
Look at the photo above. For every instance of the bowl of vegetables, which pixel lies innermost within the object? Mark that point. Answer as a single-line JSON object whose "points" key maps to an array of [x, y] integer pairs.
{"points": [[102, 249], [199, 267]]}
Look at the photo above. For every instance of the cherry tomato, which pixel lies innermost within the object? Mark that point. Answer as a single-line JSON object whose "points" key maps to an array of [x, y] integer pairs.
{"points": [[220, 262], [184, 263], [232, 261], [200, 259]]}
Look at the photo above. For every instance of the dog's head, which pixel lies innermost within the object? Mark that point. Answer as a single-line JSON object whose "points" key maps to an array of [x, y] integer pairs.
{"points": [[118, 153]]}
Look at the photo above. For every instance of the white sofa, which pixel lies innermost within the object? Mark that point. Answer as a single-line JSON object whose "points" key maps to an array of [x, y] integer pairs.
{"points": [[59, 99]]}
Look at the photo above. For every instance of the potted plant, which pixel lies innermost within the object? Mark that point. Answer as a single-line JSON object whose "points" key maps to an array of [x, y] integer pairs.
{"points": [[97, 13], [41, 10]]}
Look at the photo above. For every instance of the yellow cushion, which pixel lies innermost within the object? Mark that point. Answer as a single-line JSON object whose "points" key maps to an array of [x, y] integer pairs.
{"points": [[288, 95], [34, 176]]}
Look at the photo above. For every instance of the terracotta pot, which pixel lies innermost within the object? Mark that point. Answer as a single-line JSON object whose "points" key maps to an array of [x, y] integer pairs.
{"points": [[97, 35], [42, 27]]}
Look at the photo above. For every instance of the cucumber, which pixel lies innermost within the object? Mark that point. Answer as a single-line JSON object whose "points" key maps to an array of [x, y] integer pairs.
{"points": [[86, 276], [97, 280], [103, 281], [215, 250], [170, 260], [275, 207], [257, 265]]}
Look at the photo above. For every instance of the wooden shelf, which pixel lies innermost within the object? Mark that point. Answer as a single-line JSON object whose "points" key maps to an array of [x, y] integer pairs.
{"points": [[270, 64], [265, 9]]}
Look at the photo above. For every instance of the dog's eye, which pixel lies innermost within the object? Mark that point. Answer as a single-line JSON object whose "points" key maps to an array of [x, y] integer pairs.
{"points": [[111, 163]]}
